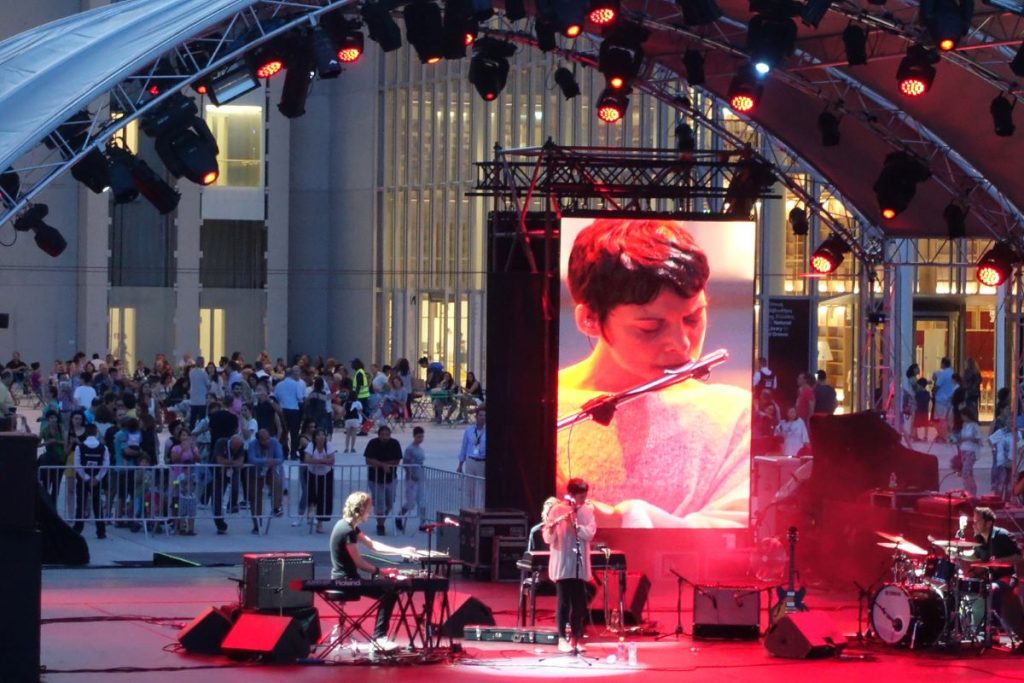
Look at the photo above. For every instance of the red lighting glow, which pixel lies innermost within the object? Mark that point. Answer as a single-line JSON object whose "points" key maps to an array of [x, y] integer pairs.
{"points": [[616, 82], [947, 44], [433, 60], [742, 103], [210, 177], [913, 87], [990, 276], [888, 214], [202, 89], [573, 30], [269, 68], [602, 16], [154, 89], [468, 39], [821, 264], [348, 55], [609, 113]]}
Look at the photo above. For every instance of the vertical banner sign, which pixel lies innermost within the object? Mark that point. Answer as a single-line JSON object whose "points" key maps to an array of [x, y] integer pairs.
{"points": [[788, 355]]}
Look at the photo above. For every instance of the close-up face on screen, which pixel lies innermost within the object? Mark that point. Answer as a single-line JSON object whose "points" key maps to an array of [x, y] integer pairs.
{"points": [[640, 297]]}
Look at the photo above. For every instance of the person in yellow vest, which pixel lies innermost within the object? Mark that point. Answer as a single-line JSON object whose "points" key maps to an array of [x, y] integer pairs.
{"points": [[361, 386]]}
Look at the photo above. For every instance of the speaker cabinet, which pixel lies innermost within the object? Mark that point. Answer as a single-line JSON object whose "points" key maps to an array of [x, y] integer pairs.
{"points": [[269, 637], [726, 612], [465, 609], [18, 480], [206, 632], [268, 579], [20, 592], [804, 635]]}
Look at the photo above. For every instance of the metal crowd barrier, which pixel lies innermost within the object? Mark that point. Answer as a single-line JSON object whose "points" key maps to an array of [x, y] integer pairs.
{"points": [[165, 497]]}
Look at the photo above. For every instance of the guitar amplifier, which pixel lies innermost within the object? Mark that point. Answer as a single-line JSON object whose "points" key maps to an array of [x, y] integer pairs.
{"points": [[268, 577], [726, 612]]}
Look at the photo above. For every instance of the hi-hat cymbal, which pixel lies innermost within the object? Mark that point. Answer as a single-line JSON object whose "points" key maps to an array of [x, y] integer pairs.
{"points": [[894, 538], [907, 547], [955, 543]]}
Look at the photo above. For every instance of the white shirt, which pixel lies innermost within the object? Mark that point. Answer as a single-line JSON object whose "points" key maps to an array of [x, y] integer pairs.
{"points": [[794, 436], [562, 539], [84, 396], [320, 470]]}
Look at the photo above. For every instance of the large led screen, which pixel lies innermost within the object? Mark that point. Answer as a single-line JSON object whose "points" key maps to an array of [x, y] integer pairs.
{"points": [[641, 296]]}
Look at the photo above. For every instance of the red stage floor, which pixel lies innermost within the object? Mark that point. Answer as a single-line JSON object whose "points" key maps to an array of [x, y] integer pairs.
{"points": [[111, 623]]}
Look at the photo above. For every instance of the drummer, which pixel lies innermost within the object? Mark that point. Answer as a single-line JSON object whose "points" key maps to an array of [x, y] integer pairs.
{"points": [[995, 544]]}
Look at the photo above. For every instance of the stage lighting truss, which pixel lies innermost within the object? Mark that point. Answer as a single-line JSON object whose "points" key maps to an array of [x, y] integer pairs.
{"points": [[488, 70], [897, 183], [751, 181], [916, 71], [621, 54], [997, 264], [612, 104], [424, 29], [829, 255], [699, 12], [745, 90], [603, 12]]}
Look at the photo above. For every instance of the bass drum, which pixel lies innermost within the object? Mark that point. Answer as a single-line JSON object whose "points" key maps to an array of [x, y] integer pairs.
{"points": [[913, 616]]}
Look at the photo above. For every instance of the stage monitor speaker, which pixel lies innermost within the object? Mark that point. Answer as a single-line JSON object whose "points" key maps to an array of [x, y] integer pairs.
{"points": [[267, 636], [726, 612], [465, 609], [206, 632], [268, 578], [638, 587], [804, 635], [20, 595]]}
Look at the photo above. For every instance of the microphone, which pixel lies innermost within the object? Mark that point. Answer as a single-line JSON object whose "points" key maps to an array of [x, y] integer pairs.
{"points": [[452, 522], [569, 499]]}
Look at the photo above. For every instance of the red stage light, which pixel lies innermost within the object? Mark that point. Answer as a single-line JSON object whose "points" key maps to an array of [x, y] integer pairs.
{"points": [[572, 30], [913, 87], [349, 54], [269, 68], [822, 264], [996, 265], [433, 60], [947, 44], [609, 113], [616, 82], [990, 275], [468, 39], [154, 90], [602, 16], [888, 214], [742, 103], [201, 88], [210, 177]]}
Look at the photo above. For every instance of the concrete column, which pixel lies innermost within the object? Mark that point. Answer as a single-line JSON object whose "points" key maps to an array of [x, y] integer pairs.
{"points": [[279, 329], [186, 305], [93, 281]]}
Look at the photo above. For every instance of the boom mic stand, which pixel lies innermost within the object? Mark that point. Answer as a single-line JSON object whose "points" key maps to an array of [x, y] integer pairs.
{"points": [[679, 606]]}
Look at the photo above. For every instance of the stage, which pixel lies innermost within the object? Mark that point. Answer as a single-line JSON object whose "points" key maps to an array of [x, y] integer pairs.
{"points": [[98, 622]]}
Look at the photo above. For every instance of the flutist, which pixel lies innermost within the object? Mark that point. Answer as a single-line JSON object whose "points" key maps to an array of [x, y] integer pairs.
{"points": [[568, 529]]}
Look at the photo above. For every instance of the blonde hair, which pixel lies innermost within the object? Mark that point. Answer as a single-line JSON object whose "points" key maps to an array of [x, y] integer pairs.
{"points": [[355, 505]]}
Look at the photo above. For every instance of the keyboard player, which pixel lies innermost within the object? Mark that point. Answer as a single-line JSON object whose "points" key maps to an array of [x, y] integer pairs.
{"points": [[347, 561]]}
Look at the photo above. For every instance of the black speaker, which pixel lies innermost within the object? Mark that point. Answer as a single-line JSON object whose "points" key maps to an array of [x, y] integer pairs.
{"points": [[5, 321], [20, 592], [206, 632], [18, 480], [638, 588], [804, 635], [266, 636], [465, 609]]}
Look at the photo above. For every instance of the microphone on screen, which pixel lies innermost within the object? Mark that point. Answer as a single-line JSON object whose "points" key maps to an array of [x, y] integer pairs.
{"points": [[452, 522]]}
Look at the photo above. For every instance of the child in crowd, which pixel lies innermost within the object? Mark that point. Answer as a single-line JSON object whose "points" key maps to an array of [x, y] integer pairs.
{"points": [[185, 455]]}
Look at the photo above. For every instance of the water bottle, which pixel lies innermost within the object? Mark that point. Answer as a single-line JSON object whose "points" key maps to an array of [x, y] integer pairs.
{"points": [[620, 650], [632, 653]]}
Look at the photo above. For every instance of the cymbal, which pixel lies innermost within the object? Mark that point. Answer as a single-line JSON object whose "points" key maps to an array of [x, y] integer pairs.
{"points": [[894, 538], [907, 547], [954, 543], [991, 565]]}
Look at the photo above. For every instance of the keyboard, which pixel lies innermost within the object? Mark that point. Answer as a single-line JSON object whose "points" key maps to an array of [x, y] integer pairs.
{"points": [[374, 587], [537, 560]]}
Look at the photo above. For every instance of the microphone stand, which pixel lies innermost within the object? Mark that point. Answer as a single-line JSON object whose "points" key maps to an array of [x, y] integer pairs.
{"points": [[679, 606], [601, 409], [574, 652]]}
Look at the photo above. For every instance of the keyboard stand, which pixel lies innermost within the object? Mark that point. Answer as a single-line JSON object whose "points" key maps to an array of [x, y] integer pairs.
{"points": [[347, 625]]}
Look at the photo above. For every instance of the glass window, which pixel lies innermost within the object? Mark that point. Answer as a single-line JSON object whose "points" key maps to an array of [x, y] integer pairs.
{"points": [[238, 130]]}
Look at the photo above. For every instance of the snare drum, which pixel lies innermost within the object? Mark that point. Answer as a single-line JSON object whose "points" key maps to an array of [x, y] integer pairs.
{"points": [[970, 585], [912, 616], [939, 569]]}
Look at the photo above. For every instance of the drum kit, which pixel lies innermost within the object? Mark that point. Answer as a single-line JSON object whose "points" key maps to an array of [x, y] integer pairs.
{"points": [[935, 599]]}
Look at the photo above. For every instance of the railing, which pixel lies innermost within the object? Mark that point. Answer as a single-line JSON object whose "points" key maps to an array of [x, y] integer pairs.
{"points": [[172, 498]]}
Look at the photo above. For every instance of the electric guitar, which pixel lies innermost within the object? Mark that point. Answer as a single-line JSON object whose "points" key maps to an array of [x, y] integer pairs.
{"points": [[791, 599]]}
